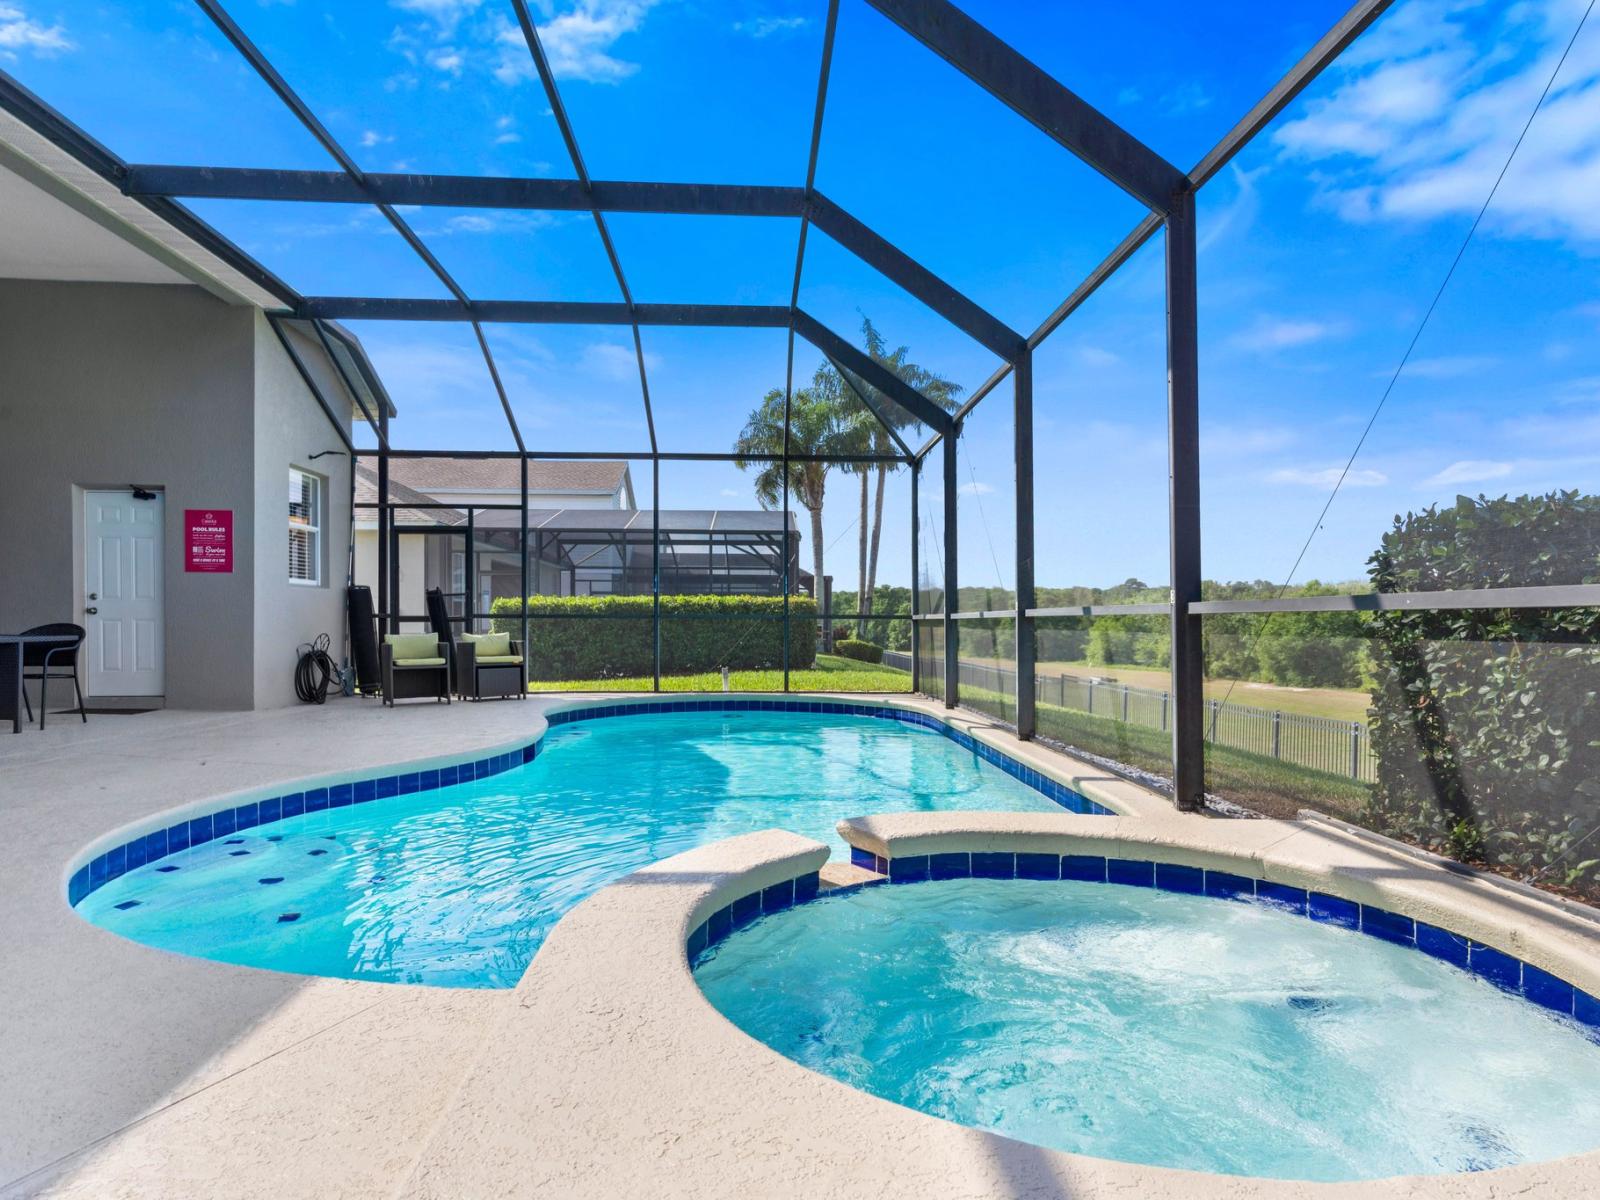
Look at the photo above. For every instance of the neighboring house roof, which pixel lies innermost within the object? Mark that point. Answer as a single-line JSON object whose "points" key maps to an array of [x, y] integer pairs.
{"points": [[505, 474], [579, 521], [367, 493]]}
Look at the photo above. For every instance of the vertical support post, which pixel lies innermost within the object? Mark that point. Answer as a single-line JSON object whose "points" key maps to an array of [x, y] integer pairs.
{"points": [[1183, 456], [916, 577], [655, 571], [385, 516], [469, 601], [952, 647], [1027, 647], [523, 607]]}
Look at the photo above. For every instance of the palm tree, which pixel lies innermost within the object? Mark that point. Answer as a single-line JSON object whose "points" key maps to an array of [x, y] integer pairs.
{"points": [[814, 428], [935, 387]]}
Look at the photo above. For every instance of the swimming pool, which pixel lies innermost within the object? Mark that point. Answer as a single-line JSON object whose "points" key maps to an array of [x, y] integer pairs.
{"points": [[1162, 1028], [458, 885]]}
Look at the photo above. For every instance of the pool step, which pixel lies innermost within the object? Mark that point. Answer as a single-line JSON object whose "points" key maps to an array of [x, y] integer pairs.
{"points": [[837, 876]]}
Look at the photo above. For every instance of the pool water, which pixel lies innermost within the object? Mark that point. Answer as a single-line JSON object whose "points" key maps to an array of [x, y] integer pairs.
{"points": [[459, 886], [1160, 1028]]}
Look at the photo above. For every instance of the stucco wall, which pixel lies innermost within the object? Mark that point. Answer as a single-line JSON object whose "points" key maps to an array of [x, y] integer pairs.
{"points": [[290, 427], [106, 385], [103, 385]]}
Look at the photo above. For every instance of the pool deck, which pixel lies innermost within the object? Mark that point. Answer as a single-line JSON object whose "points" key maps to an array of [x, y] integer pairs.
{"points": [[130, 1071]]}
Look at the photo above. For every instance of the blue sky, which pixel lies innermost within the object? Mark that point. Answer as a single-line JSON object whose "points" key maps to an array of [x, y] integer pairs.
{"points": [[1320, 246]]}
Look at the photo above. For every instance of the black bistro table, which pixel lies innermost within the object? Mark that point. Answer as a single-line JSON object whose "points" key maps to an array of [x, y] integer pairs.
{"points": [[11, 648]]}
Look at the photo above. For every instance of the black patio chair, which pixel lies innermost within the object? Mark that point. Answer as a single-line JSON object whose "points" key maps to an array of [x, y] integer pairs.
{"points": [[45, 661], [439, 622]]}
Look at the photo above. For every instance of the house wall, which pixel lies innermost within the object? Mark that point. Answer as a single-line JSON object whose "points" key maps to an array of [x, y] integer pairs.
{"points": [[103, 385], [106, 385], [290, 427]]}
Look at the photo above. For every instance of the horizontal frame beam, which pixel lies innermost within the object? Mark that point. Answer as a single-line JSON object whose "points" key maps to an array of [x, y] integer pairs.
{"points": [[544, 312], [1039, 98], [568, 195], [464, 191], [632, 456], [1575, 595]]}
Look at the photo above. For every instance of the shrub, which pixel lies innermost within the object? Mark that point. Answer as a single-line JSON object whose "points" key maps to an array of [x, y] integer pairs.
{"points": [[1486, 723], [860, 651], [611, 637]]}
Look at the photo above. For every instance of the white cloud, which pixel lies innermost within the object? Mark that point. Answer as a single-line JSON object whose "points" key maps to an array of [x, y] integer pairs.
{"points": [[615, 361], [1428, 106], [1327, 477], [1471, 470], [976, 488], [506, 131], [730, 493], [20, 32], [1266, 334], [1129, 95], [762, 27], [1097, 356], [447, 59], [578, 42], [446, 15], [372, 137], [1235, 441], [1456, 366], [1187, 98]]}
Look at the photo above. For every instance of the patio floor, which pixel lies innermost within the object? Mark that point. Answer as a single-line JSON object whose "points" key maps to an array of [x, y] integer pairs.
{"points": [[126, 1063]]}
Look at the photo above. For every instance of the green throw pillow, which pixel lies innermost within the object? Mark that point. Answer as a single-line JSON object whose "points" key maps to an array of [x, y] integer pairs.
{"points": [[412, 645], [489, 645]]}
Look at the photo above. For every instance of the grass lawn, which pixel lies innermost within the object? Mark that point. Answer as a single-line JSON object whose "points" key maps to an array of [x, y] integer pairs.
{"points": [[831, 674], [1339, 703], [1270, 786]]}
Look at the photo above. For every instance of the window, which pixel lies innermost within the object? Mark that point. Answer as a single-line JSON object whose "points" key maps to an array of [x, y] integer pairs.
{"points": [[305, 527]]}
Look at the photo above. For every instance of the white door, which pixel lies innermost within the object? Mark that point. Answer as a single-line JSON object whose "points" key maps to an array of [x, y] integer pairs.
{"points": [[122, 572]]}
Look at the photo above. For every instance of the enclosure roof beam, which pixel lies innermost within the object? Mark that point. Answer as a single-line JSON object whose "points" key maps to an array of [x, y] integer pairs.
{"points": [[1328, 47], [894, 264], [1039, 98], [280, 87], [872, 371], [872, 407], [546, 312], [684, 199], [465, 191], [530, 34]]}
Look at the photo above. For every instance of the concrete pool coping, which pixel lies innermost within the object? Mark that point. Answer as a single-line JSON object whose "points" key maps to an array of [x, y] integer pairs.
{"points": [[605, 1072]]}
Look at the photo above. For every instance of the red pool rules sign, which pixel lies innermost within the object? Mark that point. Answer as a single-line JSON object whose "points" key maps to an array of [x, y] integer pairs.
{"points": [[208, 539]]}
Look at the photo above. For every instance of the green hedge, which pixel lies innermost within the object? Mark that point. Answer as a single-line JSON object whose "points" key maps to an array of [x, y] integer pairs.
{"points": [[1486, 722], [610, 637], [860, 651]]}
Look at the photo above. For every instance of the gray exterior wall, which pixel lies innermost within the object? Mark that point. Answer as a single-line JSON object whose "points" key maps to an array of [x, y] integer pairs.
{"points": [[103, 385], [289, 428]]}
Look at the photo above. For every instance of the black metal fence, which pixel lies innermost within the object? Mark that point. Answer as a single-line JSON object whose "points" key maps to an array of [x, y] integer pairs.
{"points": [[1324, 744]]}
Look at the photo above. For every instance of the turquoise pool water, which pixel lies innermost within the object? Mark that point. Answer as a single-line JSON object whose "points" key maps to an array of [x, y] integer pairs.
{"points": [[1160, 1028], [458, 886]]}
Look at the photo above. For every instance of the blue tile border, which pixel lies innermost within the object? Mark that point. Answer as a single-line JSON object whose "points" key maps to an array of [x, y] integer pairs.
{"points": [[1504, 971], [196, 831]]}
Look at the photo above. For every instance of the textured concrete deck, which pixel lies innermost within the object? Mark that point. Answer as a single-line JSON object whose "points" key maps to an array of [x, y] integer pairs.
{"points": [[129, 1071]]}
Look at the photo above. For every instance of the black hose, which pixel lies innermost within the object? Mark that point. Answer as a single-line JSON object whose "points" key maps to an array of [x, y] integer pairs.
{"points": [[314, 671]]}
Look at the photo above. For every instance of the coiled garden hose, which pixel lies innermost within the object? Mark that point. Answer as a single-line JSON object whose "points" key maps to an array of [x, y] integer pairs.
{"points": [[315, 670]]}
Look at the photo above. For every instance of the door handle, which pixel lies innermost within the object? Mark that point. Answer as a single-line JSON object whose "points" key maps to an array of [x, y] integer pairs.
{"points": [[91, 611]]}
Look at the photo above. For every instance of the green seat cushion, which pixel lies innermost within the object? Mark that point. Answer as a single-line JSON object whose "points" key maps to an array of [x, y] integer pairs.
{"points": [[419, 662], [488, 645], [499, 660], [412, 645]]}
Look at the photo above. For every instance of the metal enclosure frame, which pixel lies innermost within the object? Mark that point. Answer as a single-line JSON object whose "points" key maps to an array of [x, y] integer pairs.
{"points": [[1166, 191]]}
